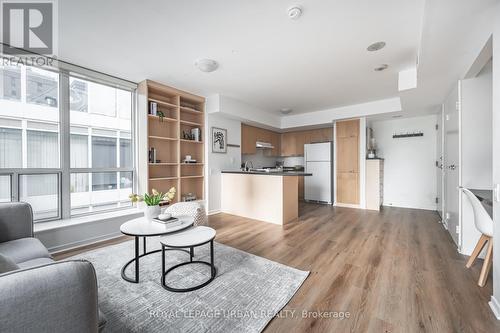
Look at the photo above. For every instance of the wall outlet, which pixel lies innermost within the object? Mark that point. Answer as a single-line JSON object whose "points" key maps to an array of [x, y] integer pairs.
{"points": [[457, 229]]}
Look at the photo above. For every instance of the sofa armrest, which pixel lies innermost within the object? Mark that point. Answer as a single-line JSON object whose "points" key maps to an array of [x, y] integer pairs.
{"points": [[57, 297], [16, 221]]}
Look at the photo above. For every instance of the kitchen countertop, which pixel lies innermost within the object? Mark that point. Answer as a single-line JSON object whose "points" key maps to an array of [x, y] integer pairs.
{"points": [[284, 173]]}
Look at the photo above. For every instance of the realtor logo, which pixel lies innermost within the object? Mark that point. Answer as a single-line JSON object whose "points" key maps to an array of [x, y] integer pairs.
{"points": [[28, 27]]}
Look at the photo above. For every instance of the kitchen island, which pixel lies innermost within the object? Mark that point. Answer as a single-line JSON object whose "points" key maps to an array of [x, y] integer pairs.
{"points": [[266, 196]]}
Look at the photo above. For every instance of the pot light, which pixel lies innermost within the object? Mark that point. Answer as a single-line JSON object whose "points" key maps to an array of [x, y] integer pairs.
{"points": [[294, 12], [376, 46], [380, 68], [285, 110], [206, 65]]}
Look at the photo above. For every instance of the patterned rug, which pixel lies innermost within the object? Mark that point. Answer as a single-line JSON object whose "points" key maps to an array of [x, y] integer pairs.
{"points": [[246, 294]]}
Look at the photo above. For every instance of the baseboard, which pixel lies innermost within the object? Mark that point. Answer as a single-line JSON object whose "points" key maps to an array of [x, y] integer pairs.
{"points": [[495, 307], [83, 242], [213, 212], [347, 205]]}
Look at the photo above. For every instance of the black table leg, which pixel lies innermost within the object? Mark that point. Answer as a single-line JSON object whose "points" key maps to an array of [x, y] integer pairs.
{"points": [[212, 266], [136, 259], [143, 244], [213, 269], [162, 264], [137, 256]]}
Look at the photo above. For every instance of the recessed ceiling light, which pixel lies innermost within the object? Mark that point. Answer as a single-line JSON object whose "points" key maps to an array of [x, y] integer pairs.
{"points": [[286, 110], [206, 65], [380, 68], [376, 46], [294, 12]]}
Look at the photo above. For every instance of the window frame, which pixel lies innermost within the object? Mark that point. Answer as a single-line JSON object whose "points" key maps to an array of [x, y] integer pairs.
{"points": [[65, 71]]}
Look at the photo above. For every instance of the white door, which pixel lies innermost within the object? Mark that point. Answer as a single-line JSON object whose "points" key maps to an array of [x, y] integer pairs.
{"points": [[452, 164], [440, 163], [318, 186]]}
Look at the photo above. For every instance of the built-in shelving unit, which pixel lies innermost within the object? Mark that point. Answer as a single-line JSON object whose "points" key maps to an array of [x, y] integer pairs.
{"points": [[180, 113]]}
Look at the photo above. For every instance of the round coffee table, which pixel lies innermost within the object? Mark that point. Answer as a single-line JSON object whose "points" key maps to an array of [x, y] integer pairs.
{"points": [[189, 238], [141, 227]]}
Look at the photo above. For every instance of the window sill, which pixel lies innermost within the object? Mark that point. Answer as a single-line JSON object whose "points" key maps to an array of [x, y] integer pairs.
{"points": [[102, 217]]}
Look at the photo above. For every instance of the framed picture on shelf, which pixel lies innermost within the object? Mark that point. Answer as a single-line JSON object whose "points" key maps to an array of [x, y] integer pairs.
{"points": [[219, 140]]}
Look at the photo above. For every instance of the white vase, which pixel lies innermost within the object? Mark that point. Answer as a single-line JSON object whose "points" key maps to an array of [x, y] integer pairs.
{"points": [[151, 212]]}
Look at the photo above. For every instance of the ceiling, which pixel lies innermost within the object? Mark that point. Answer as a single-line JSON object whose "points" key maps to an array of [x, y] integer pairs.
{"points": [[267, 60]]}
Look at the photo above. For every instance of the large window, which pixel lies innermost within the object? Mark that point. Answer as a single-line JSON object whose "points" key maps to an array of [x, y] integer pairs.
{"points": [[79, 165]]}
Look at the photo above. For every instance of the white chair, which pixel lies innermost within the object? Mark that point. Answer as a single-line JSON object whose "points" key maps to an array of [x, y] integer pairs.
{"points": [[484, 224], [192, 208]]}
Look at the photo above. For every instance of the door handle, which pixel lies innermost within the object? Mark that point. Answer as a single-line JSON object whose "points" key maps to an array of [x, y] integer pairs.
{"points": [[452, 167]]}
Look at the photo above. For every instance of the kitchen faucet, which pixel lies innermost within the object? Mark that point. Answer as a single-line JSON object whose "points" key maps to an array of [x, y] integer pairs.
{"points": [[246, 165]]}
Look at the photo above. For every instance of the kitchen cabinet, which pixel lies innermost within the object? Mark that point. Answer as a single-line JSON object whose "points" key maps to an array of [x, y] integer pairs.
{"points": [[348, 162], [292, 143], [250, 135], [248, 139], [374, 183], [288, 147], [301, 188], [286, 144]]}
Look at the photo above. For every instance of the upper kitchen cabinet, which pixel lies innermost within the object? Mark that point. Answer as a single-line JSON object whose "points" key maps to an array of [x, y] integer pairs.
{"points": [[250, 135], [292, 143], [248, 139], [288, 144]]}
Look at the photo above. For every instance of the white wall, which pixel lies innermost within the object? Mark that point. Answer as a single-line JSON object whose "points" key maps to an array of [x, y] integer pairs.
{"points": [[216, 161], [477, 150], [495, 299], [409, 166]]}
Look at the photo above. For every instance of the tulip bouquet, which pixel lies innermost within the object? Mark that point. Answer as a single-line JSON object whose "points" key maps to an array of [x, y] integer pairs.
{"points": [[154, 198]]}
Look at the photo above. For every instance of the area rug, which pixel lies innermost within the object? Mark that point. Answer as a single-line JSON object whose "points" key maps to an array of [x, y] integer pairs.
{"points": [[246, 294]]}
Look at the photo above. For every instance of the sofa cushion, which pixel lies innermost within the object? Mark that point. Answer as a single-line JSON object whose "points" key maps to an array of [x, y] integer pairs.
{"points": [[35, 262], [24, 249], [7, 265]]}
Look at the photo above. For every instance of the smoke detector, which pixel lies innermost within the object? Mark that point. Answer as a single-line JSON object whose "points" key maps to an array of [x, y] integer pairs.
{"points": [[206, 65], [285, 110], [294, 12]]}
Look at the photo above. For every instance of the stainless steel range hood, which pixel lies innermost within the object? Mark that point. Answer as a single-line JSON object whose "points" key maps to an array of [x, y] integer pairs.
{"points": [[263, 145]]}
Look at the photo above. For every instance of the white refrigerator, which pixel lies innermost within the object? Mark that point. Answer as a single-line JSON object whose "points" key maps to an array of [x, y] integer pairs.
{"points": [[319, 161]]}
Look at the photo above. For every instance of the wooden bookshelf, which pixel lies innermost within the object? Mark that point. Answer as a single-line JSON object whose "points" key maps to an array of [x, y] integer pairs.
{"points": [[182, 112]]}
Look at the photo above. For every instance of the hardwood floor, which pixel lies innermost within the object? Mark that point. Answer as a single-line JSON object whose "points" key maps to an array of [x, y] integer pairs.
{"points": [[394, 271]]}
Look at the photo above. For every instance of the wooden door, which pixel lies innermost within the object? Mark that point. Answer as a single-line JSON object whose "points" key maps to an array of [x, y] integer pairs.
{"points": [[300, 140], [348, 162], [288, 144], [248, 139]]}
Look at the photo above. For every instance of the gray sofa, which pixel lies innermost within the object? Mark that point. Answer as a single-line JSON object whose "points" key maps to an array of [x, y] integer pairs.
{"points": [[38, 294]]}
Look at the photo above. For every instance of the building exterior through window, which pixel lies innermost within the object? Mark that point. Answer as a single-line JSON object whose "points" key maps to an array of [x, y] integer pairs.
{"points": [[100, 144]]}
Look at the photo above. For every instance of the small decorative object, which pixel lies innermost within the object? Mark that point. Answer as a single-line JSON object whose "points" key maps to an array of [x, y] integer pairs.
{"points": [[161, 115], [153, 108], [152, 155], [195, 134], [164, 216], [407, 135], [152, 201], [219, 144], [189, 197]]}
